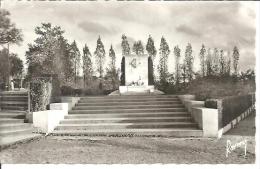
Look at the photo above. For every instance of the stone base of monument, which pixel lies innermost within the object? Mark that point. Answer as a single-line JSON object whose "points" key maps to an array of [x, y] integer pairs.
{"points": [[136, 90]]}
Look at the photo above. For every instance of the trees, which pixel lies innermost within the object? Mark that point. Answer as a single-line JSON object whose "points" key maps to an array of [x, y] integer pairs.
{"points": [[202, 60], [100, 58], [215, 62], [138, 48], [9, 34], [125, 51], [222, 63], [112, 72], [235, 57], [189, 59], [16, 69], [75, 56], [87, 65], [209, 63], [177, 54], [44, 56], [228, 64], [151, 50], [164, 52]]}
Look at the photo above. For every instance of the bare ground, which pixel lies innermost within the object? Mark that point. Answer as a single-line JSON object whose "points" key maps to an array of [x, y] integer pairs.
{"points": [[135, 150]]}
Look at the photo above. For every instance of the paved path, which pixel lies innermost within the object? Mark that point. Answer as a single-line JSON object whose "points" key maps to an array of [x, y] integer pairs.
{"points": [[96, 150]]}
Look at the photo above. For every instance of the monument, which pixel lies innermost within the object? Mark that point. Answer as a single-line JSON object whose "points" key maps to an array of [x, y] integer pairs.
{"points": [[136, 75]]}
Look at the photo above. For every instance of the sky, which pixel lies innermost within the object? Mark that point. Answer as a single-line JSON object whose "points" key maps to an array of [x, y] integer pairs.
{"points": [[216, 24]]}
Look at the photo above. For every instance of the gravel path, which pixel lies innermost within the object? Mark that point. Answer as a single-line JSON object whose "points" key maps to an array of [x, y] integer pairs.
{"points": [[134, 150]]}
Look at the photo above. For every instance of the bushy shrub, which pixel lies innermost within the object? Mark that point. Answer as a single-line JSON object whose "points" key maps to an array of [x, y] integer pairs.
{"points": [[230, 107], [40, 94]]}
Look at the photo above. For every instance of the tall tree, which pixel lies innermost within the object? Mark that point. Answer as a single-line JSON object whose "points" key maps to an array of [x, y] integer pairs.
{"points": [[215, 61], [209, 63], [222, 63], [138, 48], [16, 66], [228, 64], [202, 60], [125, 46], [164, 52], [112, 72], [189, 60], [100, 59], [150, 47], [44, 56], [177, 54], [151, 50], [87, 65], [125, 51], [9, 34], [235, 57], [75, 55]]}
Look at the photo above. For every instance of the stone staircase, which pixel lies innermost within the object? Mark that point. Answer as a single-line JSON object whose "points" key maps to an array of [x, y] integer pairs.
{"points": [[139, 115], [13, 128]]}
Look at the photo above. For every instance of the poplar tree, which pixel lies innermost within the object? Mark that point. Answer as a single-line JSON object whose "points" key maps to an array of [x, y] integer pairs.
{"points": [[209, 63], [222, 63], [87, 65], [202, 60], [177, 54], [189, 60], [75, 55], [125, 51], [150, 47], [164, 52], [235, 57], [112, 73], [100, 57]]}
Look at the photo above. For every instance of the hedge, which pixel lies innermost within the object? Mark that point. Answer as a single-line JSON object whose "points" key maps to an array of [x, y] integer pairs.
{"points": [[150, 71], [230, 107], [122, 78], [40, 95]]}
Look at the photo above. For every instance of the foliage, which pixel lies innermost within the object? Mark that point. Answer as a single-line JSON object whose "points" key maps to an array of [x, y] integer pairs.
{"points": [[177, 54], [235, 60], [112, 72], [138, 48], [16, 66], [100, 57], [202, 60], [122, 77], [209, 63], [150, 71], [164, 52], [189, 60], [150, 47], [40, 91], [87, 65], [9, 34], [125, 46], [75, 57]]}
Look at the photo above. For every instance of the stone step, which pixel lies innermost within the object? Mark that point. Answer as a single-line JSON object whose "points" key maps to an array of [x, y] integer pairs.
{"points": [[15, 132], [12, 115], [14, 107], [82, 100], [12, 111], [167, 132], [139, 114], [17, 98], [97, 126], [10, 121], [13, 93], [125, 120], [127, 103], [130, 96], [12, 102], [9, 140], [127, 107], [15, 126], [127, 110]]}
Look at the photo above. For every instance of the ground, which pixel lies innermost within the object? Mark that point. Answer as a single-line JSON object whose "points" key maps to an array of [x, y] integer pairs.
{"points": [[135, 150]]}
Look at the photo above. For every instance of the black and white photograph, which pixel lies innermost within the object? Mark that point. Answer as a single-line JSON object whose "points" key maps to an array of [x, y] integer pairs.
{"points": [[129, 82]]}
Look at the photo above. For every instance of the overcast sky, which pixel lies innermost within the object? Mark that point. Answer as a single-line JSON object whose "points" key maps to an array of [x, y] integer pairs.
{"points": [[216, 24]]}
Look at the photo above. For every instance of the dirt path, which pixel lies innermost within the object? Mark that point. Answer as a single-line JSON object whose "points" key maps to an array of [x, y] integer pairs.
{"points": [[108, 150]]}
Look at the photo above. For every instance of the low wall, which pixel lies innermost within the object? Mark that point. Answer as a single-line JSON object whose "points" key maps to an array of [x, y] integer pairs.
{"points": [[217, 116], [47, 120]]}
